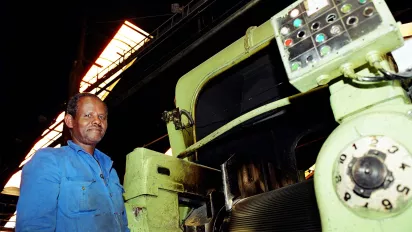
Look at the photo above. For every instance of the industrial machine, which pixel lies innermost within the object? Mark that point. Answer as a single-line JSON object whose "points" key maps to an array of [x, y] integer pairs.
{"points": [[247, 132]]}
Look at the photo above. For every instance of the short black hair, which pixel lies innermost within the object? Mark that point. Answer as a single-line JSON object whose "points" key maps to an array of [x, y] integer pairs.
{"points": [[73, 103]]}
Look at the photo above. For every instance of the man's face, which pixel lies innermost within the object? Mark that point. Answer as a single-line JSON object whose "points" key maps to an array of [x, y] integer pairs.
{"points": [[90, 123]]}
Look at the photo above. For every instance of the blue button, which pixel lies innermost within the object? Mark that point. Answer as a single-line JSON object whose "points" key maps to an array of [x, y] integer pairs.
{"points": [[297, 23], [320, 38]]}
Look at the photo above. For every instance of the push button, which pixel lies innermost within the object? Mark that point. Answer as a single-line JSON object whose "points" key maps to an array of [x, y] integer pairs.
{"points": [[288, 42], [297, 22]]}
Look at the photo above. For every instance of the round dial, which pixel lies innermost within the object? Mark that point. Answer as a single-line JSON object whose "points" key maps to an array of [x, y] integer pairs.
{"points": [[374, 173]]}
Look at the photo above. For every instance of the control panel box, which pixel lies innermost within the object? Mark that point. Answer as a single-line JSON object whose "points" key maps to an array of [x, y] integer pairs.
{"points": [[315, 37]]}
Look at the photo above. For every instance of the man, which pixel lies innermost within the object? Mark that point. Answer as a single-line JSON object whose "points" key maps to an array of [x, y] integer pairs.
{"points": [[73, 188]]}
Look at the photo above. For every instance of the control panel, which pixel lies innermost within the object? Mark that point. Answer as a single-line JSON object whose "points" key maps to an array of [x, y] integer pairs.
{"points": [[373, 174], [315, 37]]}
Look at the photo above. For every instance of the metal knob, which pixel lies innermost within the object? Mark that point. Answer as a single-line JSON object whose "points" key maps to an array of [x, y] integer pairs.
{"points": [[369, 172]]}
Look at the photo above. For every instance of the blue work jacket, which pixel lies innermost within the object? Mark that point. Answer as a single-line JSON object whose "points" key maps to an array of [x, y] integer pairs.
{"points": [[65, 189]]}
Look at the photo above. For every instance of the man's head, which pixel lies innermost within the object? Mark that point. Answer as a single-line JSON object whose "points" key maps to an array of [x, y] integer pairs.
{"points": [[86, 117]]}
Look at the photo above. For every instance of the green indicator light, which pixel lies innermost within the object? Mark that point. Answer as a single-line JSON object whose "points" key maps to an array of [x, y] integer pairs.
{"points": [[295, 66], [362, 1], [325, 50], [297, 23], [346, 8], [320, 38]]}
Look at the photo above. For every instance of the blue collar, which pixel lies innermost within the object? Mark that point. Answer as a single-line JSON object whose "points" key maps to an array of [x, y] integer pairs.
{"points": [[103, 159]]}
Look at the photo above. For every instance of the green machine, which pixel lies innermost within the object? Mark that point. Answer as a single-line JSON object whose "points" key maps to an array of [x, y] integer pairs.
{"points": [[221, 178]]}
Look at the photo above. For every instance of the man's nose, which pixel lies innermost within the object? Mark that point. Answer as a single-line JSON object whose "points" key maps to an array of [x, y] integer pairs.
{"points": [[97, 120]]}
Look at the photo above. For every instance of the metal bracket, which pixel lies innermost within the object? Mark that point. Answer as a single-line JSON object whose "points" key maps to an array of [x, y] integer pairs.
{"points": [[248, 42], [175, 116]]}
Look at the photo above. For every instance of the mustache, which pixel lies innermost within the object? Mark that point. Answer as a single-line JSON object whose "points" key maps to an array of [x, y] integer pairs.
{"points": [[98, 127]]}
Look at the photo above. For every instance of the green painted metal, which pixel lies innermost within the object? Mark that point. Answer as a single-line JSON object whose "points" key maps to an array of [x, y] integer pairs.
{"points": [[373, 109], [190, 85], [151, 198], [348, 101], [153, 182], [237, 121], [141, 186], [241, 119], [386, 38], [362, 111], [176, 139]]}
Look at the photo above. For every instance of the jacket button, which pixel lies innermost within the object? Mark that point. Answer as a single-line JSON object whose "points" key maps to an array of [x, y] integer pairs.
{"points": [[101, 176]]}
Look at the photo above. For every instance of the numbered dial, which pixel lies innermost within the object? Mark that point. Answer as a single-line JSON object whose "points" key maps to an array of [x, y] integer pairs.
{"points": [[374, 174]]}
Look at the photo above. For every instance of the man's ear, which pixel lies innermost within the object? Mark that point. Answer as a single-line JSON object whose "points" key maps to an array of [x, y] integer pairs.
{"points": [[68, 119]]}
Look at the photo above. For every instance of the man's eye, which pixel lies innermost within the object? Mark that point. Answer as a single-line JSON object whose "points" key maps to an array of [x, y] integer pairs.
{"points": [[102, 117], [87, 115]]}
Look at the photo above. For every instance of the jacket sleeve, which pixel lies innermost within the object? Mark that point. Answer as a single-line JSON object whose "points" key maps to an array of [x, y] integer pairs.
{"points": [[39, 190], [115, 177], [125, 220]]}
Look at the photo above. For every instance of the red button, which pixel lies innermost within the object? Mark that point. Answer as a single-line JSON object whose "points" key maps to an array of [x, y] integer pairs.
{"points": [[288, 42]]}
